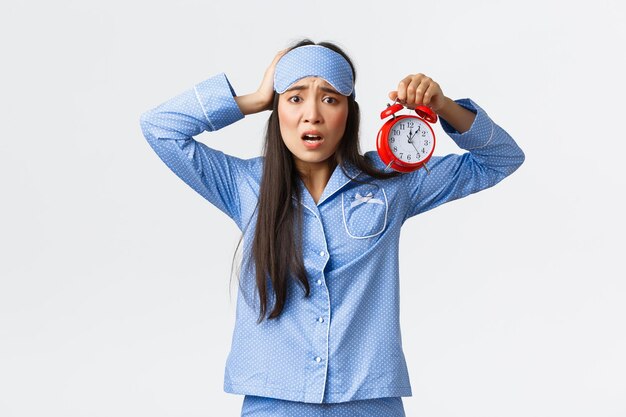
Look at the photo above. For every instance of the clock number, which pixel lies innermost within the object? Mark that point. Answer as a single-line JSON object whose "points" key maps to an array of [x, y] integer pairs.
{"points": [[401, 126], [411, 124], [408, 157], [423, 151], [392, 140], [401, 153], [419, 156], [396, 132], [424, 133], [426, 142], [395, 149]]}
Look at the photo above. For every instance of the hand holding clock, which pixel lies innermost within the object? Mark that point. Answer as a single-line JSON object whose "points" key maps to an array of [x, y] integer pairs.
{"points": [[418, 89]]}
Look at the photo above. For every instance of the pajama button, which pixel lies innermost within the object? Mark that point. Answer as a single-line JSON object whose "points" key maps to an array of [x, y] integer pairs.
{"points": [[318, 359], [322, 253], [321, 319], [319, 282]]}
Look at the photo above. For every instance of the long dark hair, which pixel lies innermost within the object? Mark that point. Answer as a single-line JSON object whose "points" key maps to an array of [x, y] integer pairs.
{"points": [[277, 245]]}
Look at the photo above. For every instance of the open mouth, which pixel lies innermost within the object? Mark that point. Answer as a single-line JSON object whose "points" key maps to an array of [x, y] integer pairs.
{"points": [[312, 138]]}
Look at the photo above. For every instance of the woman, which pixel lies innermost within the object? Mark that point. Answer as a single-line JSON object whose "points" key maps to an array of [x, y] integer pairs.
{"points": [[317, 329]]}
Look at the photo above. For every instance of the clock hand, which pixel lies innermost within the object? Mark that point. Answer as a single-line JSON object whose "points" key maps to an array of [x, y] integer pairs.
{"points": [[411, 138]]}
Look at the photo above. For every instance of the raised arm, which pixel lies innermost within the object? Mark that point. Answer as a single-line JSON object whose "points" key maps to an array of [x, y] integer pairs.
{"points": [[492, 153], [169, 129], [209, 106]]}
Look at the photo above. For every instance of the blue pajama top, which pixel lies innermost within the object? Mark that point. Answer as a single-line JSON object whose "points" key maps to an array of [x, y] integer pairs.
{"points": [[343, 342]]}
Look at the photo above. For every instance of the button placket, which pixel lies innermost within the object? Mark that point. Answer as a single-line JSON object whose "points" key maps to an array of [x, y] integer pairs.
{"points": [[317, 257], [318, 254]]}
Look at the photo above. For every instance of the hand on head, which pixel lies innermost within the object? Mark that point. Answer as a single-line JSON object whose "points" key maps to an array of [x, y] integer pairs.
{"points": [[265, 93], [263, 97]]}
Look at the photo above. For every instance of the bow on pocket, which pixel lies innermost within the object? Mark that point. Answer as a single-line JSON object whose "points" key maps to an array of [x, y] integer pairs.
{"points": [[364, 212], [368, 198]]}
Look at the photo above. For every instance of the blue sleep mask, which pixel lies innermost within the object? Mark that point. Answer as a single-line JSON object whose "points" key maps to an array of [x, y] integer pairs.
{"points": [[314, 61]]}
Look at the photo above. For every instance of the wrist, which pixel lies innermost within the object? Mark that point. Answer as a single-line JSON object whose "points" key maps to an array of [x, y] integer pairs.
{"points": [[456, 115], [448, 104], [250, 103]]}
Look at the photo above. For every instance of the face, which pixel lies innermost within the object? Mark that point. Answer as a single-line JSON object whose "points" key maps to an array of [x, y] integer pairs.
{"points": [[313, 119]]}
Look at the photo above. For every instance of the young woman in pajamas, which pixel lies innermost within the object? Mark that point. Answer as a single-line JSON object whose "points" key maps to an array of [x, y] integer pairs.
{"points": [[317, 329]]}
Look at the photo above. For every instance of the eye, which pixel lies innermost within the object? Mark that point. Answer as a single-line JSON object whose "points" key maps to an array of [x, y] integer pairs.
{"points": [[294, 99], [330, 100]]}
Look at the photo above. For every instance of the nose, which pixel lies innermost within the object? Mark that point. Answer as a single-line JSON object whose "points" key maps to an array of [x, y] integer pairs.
{"points": [[312, 113]]}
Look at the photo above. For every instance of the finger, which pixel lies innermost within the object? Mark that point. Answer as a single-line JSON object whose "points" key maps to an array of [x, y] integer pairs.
{"points": [[430, 93], [421, 89], [393, 95], [281, 53], [413, 90], [401, 92], [402, 89], [267, 83], [277, 57]]}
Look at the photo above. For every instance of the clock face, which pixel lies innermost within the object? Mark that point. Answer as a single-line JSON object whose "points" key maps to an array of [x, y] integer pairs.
{"points": [[411, 140]]}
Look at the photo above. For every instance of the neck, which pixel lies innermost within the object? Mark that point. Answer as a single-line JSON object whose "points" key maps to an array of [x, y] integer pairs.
{"points": [[316, 175]]}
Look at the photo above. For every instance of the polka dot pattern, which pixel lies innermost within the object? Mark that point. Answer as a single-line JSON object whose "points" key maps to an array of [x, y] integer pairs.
{"points": [[314, 61], [270, 407], [341, 344]]}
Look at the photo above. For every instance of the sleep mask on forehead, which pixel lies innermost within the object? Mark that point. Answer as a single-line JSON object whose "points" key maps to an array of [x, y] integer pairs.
{"points": [[314, 61]]}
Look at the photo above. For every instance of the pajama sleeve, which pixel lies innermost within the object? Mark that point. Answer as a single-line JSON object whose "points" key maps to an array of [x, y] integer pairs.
{"points": [[491, 156], [169, 129]]}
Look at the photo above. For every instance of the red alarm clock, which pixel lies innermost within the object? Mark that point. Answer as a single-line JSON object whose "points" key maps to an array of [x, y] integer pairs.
{"points": [[406, 142]]}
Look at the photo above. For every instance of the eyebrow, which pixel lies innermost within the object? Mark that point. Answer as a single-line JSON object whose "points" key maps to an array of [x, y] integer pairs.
{"points": [[304, 87]]}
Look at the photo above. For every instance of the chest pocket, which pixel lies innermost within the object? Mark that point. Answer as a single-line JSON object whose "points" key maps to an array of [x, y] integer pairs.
{"points": [[364, 211]]}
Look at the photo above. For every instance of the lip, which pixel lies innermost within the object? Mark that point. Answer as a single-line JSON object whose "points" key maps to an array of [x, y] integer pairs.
{"points": [[311, 132], [313, 145]]}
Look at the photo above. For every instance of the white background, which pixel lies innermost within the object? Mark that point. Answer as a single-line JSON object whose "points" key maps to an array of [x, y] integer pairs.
{"points": [[115, 276]]}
